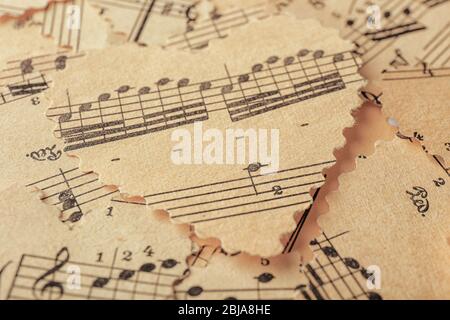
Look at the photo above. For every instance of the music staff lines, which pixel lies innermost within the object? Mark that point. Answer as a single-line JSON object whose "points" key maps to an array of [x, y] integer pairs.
{"points": [[24, 89], [95, 276], [141, 12], [265, 287], [236, 197], [432, 63], [216, 87], [342, 276], [25, 78], [441, 164], [241, 196], [437, 47], [98, 281], [112, 279], [176, 9], [142, 294], [195, 91], [402, 28], [54, 22], [329, 280], [413, 74], [72, 191], [255, 293], [391, 18], [261, 90], [51, 65], [12, 10], [256, 167], [357, 29], [239, 205], [215, 27], [257, 211]]}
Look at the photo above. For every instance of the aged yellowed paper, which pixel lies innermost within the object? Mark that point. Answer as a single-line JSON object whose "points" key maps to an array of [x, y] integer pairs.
{"points": [[32, 156], [393, 210], [105, 257], [174, 132], [406, 46]]}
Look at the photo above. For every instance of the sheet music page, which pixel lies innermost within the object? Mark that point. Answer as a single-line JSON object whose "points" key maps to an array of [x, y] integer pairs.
{"points": [[140, 21], [224, 149], [405, 46], [215, 274], [36, 160], [127, 129], [242, 277], [370, 126], [220, 19], [419, 105], [14, 8], [103, 258]]}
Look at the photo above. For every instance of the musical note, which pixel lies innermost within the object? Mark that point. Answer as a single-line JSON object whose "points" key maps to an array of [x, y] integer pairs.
{"points": [[58, 187], [26, 66], [123, 89], [68, 199], [195, 291], [65, 117], [214, 199], [327, 276], [163, 81], [126, 274], [60, 62], [147, 267], [169, 263], [144, 90], [217, 25], [85, 107], [100, 282]]}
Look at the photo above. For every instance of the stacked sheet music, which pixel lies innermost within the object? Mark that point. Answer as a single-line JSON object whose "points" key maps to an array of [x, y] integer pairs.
{"points": [[260, 149]]}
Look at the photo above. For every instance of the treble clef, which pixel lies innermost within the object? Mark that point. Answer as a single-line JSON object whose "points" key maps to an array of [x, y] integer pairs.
{"points": [[62, 257]]}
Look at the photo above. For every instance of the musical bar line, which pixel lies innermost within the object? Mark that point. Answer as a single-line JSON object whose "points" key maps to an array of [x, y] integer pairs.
{"points": [[139, 12]]}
